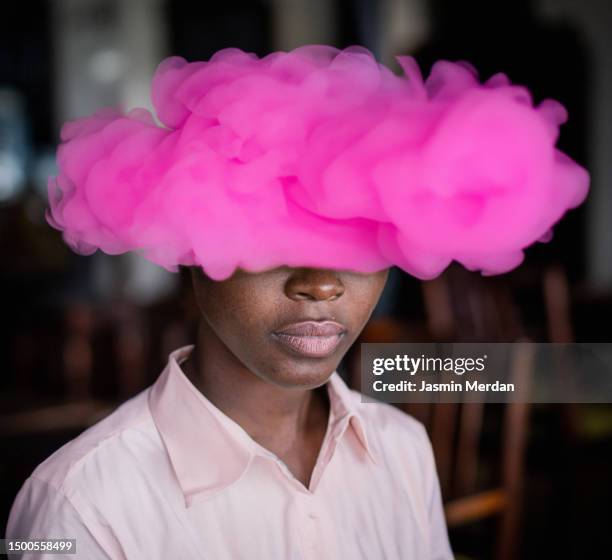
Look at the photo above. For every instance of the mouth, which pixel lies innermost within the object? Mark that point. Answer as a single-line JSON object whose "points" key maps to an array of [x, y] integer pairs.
{"points": [[313, 339]]}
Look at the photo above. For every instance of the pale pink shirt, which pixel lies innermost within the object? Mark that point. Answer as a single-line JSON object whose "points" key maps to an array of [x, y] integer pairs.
{"points": [[168, 475]]}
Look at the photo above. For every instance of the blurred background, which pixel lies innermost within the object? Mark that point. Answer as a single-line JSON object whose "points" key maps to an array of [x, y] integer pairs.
{"points": [[82, 334]]}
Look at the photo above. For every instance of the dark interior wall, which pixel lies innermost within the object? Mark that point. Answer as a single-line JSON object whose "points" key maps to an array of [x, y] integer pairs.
{"points": [[198, 29], [26, 61]]}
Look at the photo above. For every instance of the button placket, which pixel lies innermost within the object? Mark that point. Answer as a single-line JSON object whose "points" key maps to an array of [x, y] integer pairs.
{"points": [[311, 529], [308, 524]]}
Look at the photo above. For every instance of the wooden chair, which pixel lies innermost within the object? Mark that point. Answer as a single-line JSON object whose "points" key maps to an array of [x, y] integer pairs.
{"points": [[106, 355], [73, 348], [559, 329]]}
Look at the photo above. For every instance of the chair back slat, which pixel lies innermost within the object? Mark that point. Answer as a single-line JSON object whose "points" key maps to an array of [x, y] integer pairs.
{"points": [[468, 447], [77, 351]]}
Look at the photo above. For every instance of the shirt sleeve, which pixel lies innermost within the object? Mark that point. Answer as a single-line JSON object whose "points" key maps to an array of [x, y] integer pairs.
{"points": [[440, 545], [41, 511]]}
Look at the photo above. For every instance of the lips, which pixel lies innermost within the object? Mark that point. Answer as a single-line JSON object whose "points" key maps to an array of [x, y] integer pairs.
{"points": [[314, 339]]}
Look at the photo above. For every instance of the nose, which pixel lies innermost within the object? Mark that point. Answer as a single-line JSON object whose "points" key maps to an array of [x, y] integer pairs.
{"points": [[314, 284]]}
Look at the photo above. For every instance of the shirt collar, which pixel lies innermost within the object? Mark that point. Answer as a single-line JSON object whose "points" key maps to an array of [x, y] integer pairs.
{"points": [[193, 430]]}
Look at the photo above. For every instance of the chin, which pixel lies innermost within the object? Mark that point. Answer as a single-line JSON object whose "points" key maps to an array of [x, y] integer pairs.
{"points": [[301, 374]]}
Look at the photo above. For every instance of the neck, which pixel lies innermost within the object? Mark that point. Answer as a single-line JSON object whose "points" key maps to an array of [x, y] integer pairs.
{"points": [[276, 417]]}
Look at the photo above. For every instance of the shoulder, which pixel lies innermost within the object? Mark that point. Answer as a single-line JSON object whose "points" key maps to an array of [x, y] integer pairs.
{"points": [[125, 435], [66, 495], [41, 511]]}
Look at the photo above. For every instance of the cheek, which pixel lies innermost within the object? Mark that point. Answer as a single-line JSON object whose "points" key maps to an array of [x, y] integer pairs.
{"points": [[240, 320], [365, 300]]}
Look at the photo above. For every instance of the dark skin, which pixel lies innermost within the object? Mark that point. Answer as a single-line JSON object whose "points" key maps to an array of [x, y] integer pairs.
{"points": [[278, 397]]}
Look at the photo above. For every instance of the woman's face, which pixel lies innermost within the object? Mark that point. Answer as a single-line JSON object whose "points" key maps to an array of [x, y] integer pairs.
{"points": [[289, 326]]}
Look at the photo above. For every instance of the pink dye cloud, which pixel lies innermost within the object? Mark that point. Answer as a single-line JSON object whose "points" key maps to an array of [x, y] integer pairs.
{"points": [[318, 157]]}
